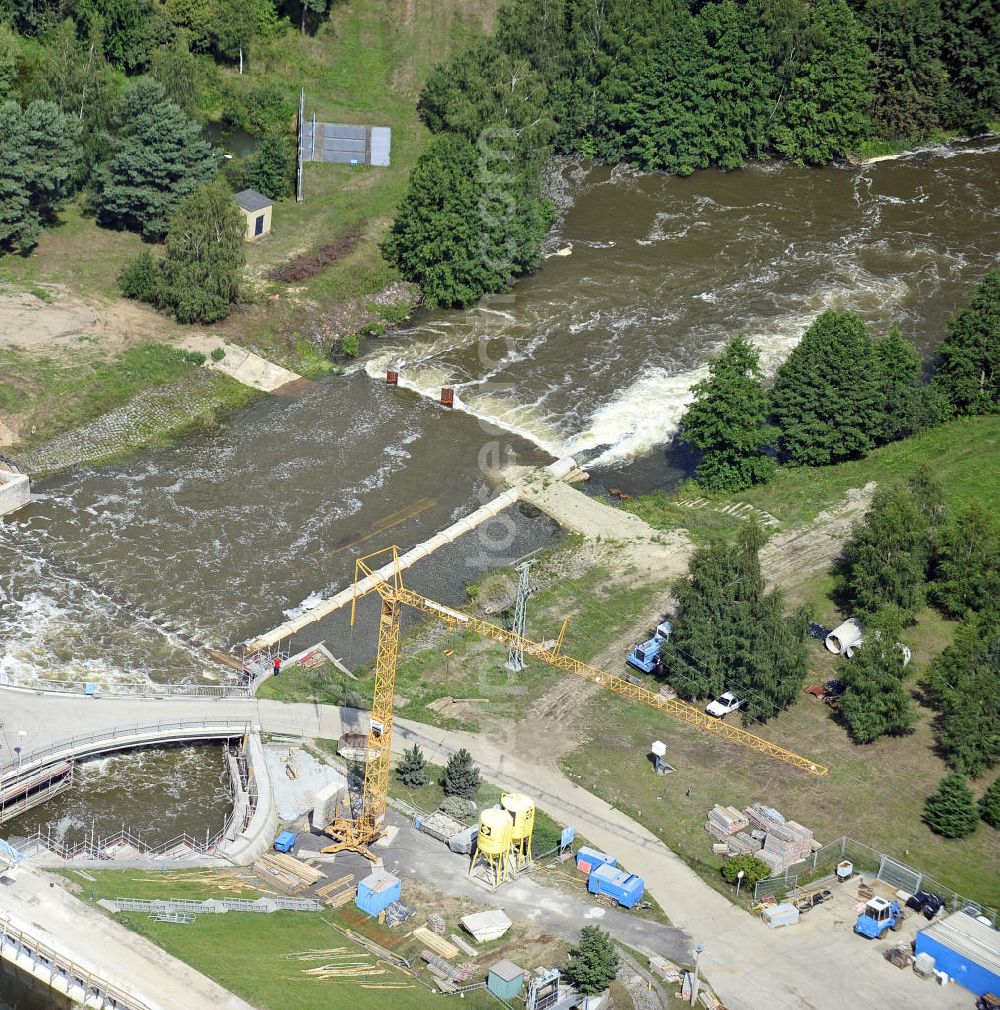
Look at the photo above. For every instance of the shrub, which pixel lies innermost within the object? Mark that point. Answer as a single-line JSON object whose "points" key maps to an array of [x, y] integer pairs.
{"points": [[139, 278], [218, 353], [754, 869], [194, 357], [455, 806], [350, 345], [374, 330]]}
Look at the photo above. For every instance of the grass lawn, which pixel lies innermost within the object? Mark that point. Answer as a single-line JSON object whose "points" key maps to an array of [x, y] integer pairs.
{"points": [[873, 793], [52, 395], [964, 456], [254, 955]]}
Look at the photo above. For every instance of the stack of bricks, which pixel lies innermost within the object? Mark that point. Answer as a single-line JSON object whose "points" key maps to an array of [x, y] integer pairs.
{"points": [[786, 844], [724, 822]]}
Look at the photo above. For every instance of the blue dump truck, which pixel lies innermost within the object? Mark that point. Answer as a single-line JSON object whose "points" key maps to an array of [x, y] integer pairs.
{"points": [[646, 655], [625, 889]]}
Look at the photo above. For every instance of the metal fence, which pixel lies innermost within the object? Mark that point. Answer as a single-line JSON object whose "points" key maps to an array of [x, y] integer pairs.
{"points": [[217, 905], [143, 689], [873, 863], [108, 739]]}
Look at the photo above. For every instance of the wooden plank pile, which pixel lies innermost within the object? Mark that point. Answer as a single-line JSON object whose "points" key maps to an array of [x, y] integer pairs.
{"points": [[667, 970], [326, 892], [286, 873], [436, 943]]}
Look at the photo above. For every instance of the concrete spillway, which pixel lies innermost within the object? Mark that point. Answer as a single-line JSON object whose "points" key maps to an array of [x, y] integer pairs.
{"points": [[411, 557]]}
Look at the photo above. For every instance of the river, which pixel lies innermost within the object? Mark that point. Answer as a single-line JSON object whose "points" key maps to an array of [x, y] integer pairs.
{"points": [[227, 532]]}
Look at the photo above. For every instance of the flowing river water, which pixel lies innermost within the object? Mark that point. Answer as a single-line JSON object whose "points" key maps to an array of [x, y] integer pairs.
{"points": [[226, 532]]}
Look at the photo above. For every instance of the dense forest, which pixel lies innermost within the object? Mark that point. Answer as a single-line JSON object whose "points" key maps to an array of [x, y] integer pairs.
{"points": [[673, 86]]}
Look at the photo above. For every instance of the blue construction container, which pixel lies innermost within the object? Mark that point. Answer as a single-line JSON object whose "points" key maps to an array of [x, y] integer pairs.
{"points": [[624, 888], [505, 980], [588, 859], [285, 842], [377, 891], [967, 949]]}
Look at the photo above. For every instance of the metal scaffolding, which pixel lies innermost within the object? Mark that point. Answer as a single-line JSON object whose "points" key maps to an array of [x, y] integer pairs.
{"points": [[515, 655]]}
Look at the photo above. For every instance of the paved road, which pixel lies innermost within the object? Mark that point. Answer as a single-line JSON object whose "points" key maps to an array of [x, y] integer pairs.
{"points": [[815, 966]]}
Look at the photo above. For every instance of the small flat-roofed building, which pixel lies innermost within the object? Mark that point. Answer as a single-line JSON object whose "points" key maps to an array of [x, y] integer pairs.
{"points": [[257, 210]]}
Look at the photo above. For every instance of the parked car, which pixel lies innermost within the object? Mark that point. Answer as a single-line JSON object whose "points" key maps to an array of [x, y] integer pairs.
{"points": [[723, 705]]}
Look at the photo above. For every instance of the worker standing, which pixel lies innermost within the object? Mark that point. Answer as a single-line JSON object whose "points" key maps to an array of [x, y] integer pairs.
{"points": [[277, 665]]}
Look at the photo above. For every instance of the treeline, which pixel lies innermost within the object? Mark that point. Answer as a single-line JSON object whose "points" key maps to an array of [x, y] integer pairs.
{"points": [[675, 86], [839, 394], [108, 98]]}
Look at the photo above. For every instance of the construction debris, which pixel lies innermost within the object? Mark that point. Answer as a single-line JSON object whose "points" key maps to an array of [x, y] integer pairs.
{"points": [[397, 913]]}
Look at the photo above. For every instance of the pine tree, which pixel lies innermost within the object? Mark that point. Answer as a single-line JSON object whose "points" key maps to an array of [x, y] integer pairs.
{"points": [[412, 768], [899, 366], [989, 805], [459, 239], [969, 370], [886, 559], [962, 683], [967, 565], [728, 421], [826, 396], [461, 776], [157, 159], [730, 635], [204, 255], [37, 158], [271, 168], [593, 962], [951, 811], [875, 701]]}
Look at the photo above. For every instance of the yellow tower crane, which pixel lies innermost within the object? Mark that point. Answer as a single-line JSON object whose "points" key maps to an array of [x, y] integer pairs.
{"points": [[356, 830]]}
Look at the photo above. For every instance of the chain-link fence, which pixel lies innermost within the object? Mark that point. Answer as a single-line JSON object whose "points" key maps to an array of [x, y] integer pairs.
{"points": [[873, 863]]}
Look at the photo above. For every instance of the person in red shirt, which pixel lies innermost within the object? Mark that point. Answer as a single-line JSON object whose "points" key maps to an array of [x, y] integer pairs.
{"points": [[277, 665]]}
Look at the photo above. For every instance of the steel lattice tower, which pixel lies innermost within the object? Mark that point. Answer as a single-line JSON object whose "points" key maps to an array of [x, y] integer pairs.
{"points": [[515, 655]]}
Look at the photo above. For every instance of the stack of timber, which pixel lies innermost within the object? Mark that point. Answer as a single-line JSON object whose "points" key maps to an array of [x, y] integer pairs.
{"points": [[285, 872], [344, 887], [724, 822], [437, 944], [667, 970]]}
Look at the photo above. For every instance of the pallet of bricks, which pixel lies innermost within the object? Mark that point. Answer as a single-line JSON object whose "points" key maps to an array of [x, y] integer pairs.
{"points": [[727, 824], [784, 843]]}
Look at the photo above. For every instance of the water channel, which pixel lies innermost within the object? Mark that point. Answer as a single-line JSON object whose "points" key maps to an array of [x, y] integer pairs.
{"points": [[226, 532]]}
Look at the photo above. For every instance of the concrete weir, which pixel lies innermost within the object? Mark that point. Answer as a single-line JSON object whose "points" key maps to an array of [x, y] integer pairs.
{"points": [[411, 557]]}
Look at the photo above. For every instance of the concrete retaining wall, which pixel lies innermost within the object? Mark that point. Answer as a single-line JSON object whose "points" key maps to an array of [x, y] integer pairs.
{"points": [[15, 491], [256, 840]]}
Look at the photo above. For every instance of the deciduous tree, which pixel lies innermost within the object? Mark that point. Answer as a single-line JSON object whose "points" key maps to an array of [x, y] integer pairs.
{"points": [[826, 397], [728, 421], [967, 565], [963, 684], [271, 168], [875, 701], [204, 255], [158, 158], [951, 811]]}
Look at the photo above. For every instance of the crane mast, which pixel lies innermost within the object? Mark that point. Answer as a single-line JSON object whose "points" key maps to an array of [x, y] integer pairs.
{"points": [[357, 829]]}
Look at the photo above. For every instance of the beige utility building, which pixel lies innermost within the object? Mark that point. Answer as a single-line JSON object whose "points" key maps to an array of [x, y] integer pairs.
{"points": [[257, 210]]}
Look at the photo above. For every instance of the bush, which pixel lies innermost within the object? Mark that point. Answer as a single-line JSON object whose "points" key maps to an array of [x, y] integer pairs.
{"points": [[350, 345], [194, 357], [139, 278], [455, 806], [218, 353], [754, 869], [259, 109], [374, 330]]}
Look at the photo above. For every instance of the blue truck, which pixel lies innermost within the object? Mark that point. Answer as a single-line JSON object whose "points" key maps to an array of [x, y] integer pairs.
{"points": [[878, 918], [623, 888], [646, 655]]}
